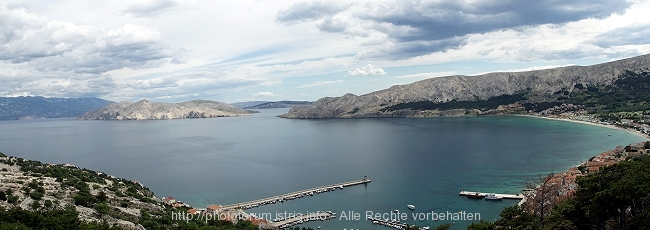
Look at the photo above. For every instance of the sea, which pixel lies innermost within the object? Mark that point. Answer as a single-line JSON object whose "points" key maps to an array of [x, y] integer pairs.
{"points": [[424, 162]]}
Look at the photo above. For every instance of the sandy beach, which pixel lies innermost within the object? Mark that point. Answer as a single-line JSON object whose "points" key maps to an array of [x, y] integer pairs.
{"points": [[591, 123]]}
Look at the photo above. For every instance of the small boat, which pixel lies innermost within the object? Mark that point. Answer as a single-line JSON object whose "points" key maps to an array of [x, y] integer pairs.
{"points": [[475, 195], [493, 196], [396, 211], [410, 206]]}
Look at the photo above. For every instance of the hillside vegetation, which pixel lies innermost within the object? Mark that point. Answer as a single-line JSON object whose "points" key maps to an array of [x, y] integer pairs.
{"points": [[34, 195]]}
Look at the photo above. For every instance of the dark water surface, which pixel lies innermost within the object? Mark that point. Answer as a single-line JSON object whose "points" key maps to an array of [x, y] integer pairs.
{"points": [[419, 161]]}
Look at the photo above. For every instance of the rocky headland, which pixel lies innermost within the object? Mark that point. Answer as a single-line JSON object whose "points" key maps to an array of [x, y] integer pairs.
{"points": [[146, 110]]}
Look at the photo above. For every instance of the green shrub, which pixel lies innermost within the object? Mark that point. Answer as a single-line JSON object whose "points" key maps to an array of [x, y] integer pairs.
{"points": [[12, 199], [36, 205], [36, 195], [48, 203], [102, 208]]}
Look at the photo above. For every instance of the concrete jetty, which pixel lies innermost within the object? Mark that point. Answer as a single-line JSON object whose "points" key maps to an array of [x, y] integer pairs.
{"points": [[303, 218], [294, 195], [505, 196]]}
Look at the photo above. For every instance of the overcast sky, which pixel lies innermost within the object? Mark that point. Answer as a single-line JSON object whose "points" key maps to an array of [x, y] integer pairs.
{"points": [[233, 51]]}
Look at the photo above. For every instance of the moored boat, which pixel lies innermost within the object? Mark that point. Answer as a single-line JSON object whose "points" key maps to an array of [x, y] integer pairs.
{"points": [[475, 195]]}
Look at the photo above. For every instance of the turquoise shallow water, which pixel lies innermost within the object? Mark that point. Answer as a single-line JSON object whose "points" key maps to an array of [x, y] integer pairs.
{"points": [[424, 162]]}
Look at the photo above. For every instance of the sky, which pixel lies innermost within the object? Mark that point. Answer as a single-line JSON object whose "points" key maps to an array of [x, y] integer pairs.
{"points": [[234, 51]]}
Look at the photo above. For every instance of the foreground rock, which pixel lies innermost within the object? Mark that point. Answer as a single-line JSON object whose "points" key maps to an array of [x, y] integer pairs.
{"points": [[97, 197], [505, 89], [146, 110]]}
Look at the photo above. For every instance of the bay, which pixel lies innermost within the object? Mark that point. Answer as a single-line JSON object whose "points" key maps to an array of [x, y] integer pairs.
{"points": [[419, 161]]}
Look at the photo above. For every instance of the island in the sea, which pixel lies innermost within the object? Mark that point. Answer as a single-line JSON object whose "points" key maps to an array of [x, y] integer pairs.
{"points": [[147, 110]]}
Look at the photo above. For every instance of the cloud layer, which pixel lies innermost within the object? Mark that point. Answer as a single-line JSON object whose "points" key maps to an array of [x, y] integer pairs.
{"points": [[72, 58], [182, 50], [404, 29]]}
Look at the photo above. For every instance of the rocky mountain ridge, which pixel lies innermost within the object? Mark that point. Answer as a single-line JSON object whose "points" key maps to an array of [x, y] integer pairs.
{"points": [[146, 110], [279, 104], [534, 87]]}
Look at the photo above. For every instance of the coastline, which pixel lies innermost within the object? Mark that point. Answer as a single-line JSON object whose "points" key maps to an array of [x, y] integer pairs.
{"points": [[589, 123], [570, 174]]}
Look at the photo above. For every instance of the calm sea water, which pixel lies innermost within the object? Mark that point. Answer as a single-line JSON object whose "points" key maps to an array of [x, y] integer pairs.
{"points": [[424, 162]]}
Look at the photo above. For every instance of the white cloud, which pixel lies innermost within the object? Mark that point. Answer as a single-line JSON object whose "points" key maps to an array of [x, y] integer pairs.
{"points": [[320, 83], [150, 8], [63, 46], [366, 70], [265, 94]]}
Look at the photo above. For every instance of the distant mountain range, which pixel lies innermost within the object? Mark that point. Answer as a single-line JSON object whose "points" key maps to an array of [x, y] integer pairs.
{"points": [[14, 108], [246, 104], [146, 110], [270, 104], [612, 86]]}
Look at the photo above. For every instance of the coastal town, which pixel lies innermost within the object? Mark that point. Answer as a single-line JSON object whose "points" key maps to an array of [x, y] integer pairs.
{"points": [[637, 122], [565, 182], [563, 185]]}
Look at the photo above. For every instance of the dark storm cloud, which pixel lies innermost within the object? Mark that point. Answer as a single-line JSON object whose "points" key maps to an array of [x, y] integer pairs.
{"points": [[419, 27], [445, 19]]}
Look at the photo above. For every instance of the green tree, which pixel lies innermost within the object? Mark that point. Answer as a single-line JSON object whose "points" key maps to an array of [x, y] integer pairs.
{"points": [[616, 197], [515, 217]]}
